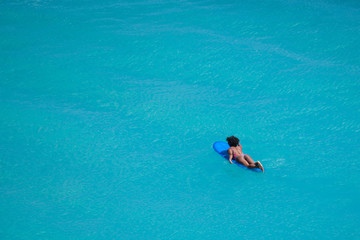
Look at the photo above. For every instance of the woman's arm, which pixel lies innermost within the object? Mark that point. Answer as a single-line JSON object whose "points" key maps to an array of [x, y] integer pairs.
{"points": [[230, 155]]}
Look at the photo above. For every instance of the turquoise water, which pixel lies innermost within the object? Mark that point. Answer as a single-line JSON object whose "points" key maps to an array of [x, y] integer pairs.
{"points": [[109, 110]]}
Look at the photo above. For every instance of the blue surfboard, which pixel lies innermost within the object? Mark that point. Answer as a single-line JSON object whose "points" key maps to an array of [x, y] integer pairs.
{"points": [[222, 147]]}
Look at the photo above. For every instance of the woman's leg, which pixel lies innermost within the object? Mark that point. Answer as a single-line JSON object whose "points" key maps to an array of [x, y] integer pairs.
{"points": [[251, 161], [241, 160]]}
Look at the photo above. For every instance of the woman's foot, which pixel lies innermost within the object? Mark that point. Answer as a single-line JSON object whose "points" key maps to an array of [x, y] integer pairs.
{"points": [[259, 165]]}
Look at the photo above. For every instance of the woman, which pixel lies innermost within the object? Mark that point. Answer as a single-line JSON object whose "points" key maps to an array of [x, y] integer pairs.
{"points": [[235, 152]]}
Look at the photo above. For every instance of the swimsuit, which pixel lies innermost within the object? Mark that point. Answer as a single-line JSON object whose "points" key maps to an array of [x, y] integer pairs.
{"points": [[239, 155]]}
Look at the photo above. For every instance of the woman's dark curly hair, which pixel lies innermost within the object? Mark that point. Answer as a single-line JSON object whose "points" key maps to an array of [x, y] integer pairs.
{"points": [[232, 141]]}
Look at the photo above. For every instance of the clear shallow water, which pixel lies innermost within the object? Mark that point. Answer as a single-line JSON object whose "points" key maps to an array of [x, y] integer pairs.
{"points": [[109, 111]]}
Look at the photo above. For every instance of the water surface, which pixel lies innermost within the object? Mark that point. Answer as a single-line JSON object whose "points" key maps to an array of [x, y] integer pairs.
{"points": [[109, 110]]}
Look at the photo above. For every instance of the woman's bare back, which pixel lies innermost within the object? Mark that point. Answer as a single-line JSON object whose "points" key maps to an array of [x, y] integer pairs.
{"points": [[236, 151]]}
